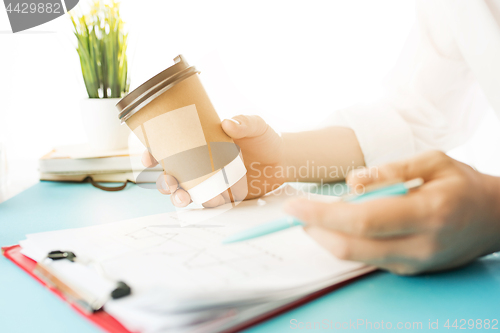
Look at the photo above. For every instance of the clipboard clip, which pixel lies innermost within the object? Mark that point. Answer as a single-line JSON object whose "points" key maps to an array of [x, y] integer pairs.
{"points": [[84, 301], [58, 255]]}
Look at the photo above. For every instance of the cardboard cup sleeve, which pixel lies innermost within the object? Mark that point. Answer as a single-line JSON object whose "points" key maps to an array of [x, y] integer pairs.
{"points": [[182, 130]]}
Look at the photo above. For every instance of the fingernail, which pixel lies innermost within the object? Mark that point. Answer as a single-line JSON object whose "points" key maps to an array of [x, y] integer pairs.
{"points": [[234, 121], [164, 185], [171, 183], [177, 198], [161, 185]]}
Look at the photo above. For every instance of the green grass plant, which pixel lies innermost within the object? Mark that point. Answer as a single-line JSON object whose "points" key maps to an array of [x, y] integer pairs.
{"points": [[102, 48]]}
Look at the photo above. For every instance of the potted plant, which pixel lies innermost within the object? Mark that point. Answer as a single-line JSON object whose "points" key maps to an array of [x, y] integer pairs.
{"points": [[102, 48]]}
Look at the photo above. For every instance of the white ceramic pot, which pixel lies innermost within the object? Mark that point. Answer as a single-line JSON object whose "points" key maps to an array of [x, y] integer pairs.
{"points": [[101, 124]]}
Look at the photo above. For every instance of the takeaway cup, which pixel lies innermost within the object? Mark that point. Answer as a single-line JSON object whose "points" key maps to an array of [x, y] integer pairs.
{"points": [[173, 117]]}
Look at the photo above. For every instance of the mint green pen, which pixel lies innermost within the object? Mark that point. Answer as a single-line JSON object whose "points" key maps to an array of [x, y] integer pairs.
{"points": [[289, 222]]}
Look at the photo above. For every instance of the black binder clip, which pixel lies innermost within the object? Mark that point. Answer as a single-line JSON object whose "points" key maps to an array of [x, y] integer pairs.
{"points": [[58, 255], [121, 290]]}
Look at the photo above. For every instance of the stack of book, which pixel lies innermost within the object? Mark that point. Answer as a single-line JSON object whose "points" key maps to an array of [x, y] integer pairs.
{"points": [[78, 162]]}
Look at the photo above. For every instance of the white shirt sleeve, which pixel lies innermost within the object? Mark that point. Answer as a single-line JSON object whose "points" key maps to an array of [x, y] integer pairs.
{"points": [[434, 96]]}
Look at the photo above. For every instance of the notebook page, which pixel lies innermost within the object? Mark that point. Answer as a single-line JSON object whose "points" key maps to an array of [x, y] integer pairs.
{"points": [[157, 252]]}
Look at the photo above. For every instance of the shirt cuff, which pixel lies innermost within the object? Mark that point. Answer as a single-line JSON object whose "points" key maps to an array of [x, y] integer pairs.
{"points": [[382, 133]]}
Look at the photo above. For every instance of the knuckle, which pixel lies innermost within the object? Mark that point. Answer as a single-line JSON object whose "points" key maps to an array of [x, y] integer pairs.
{"points": [[362, 225], [259, 120], [441, 160], [433, 155], [441, 208], [394, 171], [438, 154], [462, 183], [259, 125]]}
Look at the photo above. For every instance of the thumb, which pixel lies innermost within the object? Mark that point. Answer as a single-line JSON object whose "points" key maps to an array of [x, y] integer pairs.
{"points": [[241, 126]]}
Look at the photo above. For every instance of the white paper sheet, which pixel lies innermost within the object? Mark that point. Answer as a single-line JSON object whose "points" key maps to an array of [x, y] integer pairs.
{"points": [[155, 253]]}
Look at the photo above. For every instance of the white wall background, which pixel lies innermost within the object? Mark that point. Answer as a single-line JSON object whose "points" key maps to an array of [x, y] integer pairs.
{"points": [[292, 62]]}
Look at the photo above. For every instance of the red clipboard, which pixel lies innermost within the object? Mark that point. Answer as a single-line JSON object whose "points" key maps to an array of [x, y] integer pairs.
{"points": [[99, 318], [106, 322]]}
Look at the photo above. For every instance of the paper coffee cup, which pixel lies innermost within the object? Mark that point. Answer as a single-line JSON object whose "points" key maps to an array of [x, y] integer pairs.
{"points": [[173, 117]]}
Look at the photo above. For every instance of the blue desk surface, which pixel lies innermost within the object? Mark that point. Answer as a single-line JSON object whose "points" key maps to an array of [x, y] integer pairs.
{"points": [[472, 292]]}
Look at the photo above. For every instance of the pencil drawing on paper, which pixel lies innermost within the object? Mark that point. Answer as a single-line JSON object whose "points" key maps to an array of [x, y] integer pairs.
{"points": [[197, 250]]}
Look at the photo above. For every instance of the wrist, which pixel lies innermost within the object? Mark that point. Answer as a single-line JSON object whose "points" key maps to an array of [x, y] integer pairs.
{"points": [[492, 187], [322, 155], [288, 154]]}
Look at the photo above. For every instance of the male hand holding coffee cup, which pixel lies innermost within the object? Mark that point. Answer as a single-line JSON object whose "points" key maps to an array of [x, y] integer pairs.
{"points": [[173, 117], [263, 154], [212, 162], [272, 159]]}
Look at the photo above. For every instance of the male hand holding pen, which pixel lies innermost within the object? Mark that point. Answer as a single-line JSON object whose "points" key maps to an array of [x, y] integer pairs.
{"points": [[453, 218]]}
